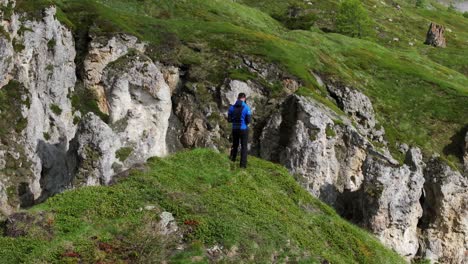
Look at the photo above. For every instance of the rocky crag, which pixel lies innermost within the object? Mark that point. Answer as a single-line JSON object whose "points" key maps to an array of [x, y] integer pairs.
{"points": [[51, 142]]}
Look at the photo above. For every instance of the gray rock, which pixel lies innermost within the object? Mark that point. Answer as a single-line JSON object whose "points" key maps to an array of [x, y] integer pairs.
{"points": [[167, 225], [339, 165], [444, 225], [389, 199], [93, 151], [139, 105], [43, 63], [103, 51], [465, 156], [359, 107], [231, 91]]}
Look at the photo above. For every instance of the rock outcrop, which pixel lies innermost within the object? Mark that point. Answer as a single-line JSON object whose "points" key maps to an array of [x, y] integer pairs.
{"points": [[339, 165], [46, 152], [359, 108], [39, 62], [465, 154], [93, 152], [435, 36], [444, 225], [101, 52]]}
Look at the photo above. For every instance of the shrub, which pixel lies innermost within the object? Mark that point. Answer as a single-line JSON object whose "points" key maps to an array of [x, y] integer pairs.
{"points": [[451, 8], [421, 3], [352, 19]]}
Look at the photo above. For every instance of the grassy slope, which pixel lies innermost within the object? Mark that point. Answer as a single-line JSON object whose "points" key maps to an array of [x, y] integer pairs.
{"points": [[257, 210], [420, 92]]}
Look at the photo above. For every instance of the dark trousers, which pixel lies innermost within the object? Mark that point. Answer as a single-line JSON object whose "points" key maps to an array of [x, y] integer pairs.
{"points": [[240, 137]]}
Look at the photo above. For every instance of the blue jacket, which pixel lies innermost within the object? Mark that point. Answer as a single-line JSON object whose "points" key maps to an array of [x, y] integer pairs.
{"points": [[240, 115]]}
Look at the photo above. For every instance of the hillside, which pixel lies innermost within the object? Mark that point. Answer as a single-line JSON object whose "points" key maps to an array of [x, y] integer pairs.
{"points": [[256, 215], [419, 92]]}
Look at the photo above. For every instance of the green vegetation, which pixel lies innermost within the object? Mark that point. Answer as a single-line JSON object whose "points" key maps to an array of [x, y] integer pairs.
{"points": [[56, 109], [84, 101], [421, 3], [123, 153], [13, 97], [255, 214], [18, 46], [352, 19], [329, 131], [46, 136]]}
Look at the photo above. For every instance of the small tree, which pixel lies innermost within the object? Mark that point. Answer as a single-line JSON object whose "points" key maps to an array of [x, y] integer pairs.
{"points": [[352, 19]]}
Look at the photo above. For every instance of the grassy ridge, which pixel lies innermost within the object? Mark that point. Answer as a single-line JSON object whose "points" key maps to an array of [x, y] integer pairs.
{"points": [[261, 211]]}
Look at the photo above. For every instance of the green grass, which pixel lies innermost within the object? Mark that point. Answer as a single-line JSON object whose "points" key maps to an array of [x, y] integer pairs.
{"points": [[123, 153], [260, 211]]}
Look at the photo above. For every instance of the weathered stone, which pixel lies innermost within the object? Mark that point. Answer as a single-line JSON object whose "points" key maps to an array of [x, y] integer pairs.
{"points": [[195, 128], [41, 62], [465, 156], [389, 201], [167, 225], [338, 165], [139, 105], [359, 107], [444, 224], [435, 36], [101, 52], [93, 152], [303, 136], [234, 88]]}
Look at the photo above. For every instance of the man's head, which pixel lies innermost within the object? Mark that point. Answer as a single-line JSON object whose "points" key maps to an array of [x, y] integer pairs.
{"points": [[242, 97]]}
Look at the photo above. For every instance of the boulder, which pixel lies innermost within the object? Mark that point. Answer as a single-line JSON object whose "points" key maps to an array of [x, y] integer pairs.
{"points": [[93, 152], [435, 36]]}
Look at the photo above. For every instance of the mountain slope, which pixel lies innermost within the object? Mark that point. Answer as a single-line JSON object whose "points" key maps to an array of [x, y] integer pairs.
{"points": [[419, 92], [255, 215], [375, 127]]}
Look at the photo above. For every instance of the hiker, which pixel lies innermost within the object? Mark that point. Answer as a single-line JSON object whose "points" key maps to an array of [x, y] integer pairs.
{"points": [[240, 116]]}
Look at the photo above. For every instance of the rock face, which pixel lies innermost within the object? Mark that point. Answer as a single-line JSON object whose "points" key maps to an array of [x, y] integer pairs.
{"points": [[342, 167], [358, 107], [46, 152], [388, 201], [103, 51], [465, 156], [93, 152], [445, 221], [435, 36], [40, 62]]}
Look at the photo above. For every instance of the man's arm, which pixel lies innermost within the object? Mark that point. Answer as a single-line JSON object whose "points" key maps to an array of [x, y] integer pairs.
{"points": [[230, 112], [248, 115]]}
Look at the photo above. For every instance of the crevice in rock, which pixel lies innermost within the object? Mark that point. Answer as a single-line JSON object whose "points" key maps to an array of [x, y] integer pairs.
{"points": [[289, 115]]}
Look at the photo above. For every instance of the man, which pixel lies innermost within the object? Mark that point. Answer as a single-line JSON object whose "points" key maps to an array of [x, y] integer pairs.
{"points": [[240, 116]]}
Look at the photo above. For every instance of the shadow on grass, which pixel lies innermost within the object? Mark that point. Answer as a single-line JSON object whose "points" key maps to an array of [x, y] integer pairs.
{"points": [[455, 147]]}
